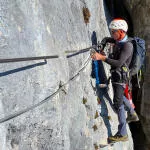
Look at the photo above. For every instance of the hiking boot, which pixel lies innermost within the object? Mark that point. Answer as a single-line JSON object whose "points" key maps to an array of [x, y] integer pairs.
{"points": [[132, 117], [117, 137]]}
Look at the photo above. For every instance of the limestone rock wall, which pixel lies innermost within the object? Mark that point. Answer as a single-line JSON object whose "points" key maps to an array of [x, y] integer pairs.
{"points": [[140, 12], [33, 28]]}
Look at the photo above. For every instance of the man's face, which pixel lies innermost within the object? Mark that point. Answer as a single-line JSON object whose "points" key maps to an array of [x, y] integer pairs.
{"points": [[115, 34]]}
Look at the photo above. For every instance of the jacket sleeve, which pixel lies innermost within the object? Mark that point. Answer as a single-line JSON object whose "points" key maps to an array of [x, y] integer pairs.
{"points": [[126, 52]]}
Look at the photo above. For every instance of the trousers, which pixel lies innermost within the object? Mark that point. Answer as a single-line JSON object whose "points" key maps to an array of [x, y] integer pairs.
{"points": [[119, 107]]}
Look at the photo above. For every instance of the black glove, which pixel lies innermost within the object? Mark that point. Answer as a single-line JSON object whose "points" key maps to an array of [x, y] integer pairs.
{"points": [[102, 44], [107, 40]]}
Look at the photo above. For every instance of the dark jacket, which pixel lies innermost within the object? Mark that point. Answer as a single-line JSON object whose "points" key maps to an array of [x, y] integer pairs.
{"points": [[122, 55]]}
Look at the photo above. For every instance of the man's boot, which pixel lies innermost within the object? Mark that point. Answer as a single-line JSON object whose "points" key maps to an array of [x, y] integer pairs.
{"points": [[117, 137], [132, 117]]}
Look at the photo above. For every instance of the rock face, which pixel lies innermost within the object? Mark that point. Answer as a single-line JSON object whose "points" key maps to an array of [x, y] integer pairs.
{"points": [[68, 121], [140, 13]]}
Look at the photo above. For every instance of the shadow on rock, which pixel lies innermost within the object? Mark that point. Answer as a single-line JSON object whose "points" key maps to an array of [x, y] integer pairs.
{"points": [[102, 93]]}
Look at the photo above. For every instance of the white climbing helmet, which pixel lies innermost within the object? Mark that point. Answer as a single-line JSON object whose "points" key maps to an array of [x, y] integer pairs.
{"points": [[117, 24]]}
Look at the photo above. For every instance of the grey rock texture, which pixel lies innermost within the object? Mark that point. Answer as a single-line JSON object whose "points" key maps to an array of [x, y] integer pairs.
{"points": [[47, 27], [140, 13]]}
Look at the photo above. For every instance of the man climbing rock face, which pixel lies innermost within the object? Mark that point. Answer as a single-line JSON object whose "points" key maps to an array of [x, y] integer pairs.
{"points": [[119, 60]]}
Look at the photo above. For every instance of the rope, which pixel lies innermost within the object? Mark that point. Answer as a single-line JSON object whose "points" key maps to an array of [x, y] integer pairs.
{"points": [[75, 52], [14, 115], [27, 59]]}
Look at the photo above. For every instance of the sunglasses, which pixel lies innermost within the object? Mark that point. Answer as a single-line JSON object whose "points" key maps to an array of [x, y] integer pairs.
{"points": [[114, 31]]}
